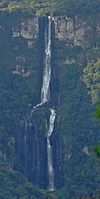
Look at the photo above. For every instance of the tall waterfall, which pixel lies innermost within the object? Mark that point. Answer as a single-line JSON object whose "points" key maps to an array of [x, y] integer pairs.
{"points": [[45, 96], [49, 150], [45, 92]]}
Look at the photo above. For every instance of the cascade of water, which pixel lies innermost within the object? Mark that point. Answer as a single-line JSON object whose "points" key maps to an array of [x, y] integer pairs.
{"points": [[49, 150], [45, 96], [45, 93], [25, 142]]}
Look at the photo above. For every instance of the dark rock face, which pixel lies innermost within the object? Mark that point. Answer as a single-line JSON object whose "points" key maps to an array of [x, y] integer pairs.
{"points": [[75, 131], [72, 52], [31, 156], [27, 42]]}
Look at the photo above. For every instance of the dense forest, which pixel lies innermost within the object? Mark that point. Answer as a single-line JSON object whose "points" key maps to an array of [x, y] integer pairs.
{"points": [[41, 7], [75, 92]]}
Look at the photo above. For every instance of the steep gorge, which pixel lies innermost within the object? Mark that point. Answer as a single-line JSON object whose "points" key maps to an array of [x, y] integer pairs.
{"points": [[32, 142]]}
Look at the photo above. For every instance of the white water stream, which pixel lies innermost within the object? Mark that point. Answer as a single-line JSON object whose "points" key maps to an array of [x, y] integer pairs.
{"points": [[45, 96], [49, 150]]}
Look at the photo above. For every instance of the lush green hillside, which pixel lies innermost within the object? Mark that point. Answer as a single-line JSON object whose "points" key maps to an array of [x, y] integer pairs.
{"points": [[75, 84], [41, 7], [13, 185]]}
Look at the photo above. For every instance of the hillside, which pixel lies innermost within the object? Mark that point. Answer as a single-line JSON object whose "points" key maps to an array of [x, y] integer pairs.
{"points": [[41, 7], [49, 90]]}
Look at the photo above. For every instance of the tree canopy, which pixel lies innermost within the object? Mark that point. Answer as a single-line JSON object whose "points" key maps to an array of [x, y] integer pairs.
{"points": [[57, 7]]}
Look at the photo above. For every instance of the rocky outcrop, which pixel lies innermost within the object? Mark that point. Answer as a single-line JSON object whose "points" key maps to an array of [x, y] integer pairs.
{"points": [[27, 29], [75, 30], [74, 132]]}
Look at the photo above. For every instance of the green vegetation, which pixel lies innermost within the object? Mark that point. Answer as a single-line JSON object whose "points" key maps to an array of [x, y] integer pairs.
{"points": [[91, 77], [97, 150], [13, 185], [57, 7], [35, 7], [75, 119], [19, 94]]}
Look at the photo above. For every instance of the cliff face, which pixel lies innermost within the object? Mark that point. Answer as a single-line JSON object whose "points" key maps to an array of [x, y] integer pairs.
{"points": [[75, 45], [76, 131]]}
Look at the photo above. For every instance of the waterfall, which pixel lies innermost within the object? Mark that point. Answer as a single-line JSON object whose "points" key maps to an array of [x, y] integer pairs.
{"points": [[25, 143], [49, 150], [45, 96], [45, 92]]}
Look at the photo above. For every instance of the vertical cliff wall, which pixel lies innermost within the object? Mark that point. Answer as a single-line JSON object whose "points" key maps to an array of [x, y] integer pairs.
{"points": [[75, 130], [26, 62], [75, 45]]}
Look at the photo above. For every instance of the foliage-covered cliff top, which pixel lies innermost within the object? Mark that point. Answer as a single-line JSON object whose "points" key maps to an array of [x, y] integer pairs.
{"points": [[57, 7]]}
